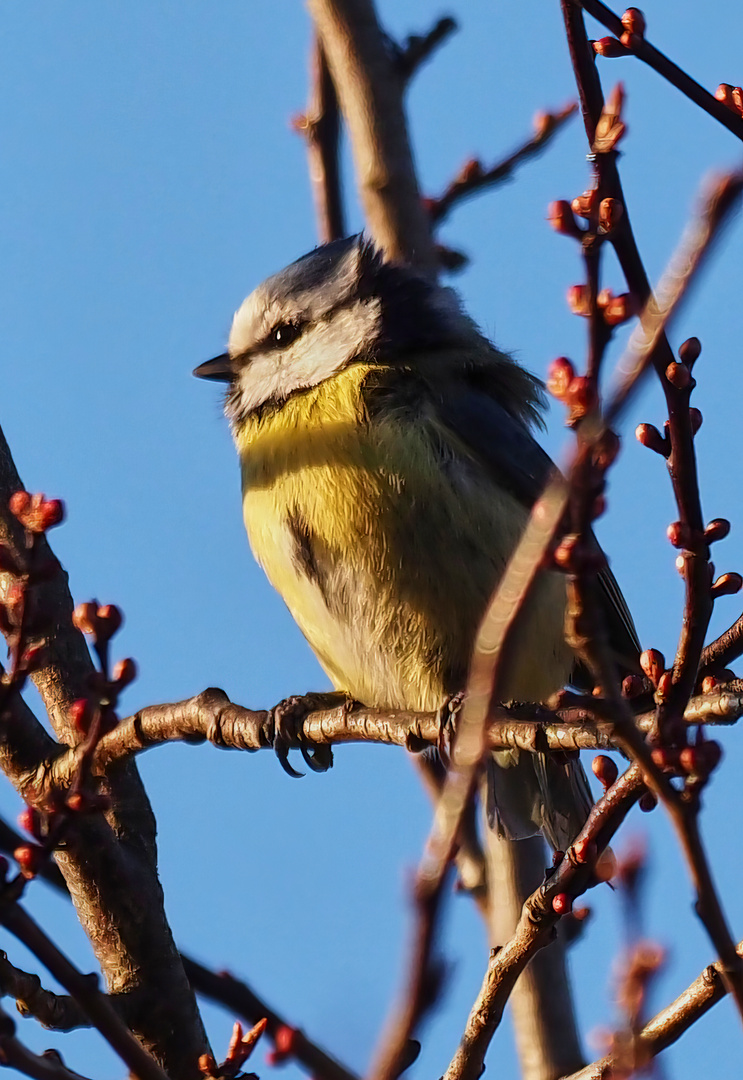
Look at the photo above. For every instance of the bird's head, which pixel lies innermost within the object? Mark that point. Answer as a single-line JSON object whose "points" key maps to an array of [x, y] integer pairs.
{"points": [[339, 304]]}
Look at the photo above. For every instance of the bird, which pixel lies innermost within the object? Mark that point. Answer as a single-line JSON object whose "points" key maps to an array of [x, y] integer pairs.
{"points": [[388, 468]]}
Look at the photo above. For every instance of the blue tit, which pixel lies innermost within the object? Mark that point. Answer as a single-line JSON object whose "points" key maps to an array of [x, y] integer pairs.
{"points": [[388, 470]]}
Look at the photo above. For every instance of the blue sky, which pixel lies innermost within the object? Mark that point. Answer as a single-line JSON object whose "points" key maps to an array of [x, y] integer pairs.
{"points": [[149, 180]]}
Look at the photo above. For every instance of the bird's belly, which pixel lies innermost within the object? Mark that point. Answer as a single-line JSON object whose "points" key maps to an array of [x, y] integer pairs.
{"points": [[388, 575]]}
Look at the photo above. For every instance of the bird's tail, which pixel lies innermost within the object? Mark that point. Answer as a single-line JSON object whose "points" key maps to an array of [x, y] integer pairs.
{"points": [[529, 794]]}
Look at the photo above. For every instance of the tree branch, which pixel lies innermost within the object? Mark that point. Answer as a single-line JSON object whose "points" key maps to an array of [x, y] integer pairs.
{"points": [[539, 916], [473, 179], [669, 1024], [105, 861], [655, 59], [84, 988], [370, 91], [321, 127]]}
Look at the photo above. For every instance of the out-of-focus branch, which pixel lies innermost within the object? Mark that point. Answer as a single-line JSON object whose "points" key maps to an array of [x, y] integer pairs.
{"points": [[669, 1024], [417, 48], [57, 1011], [370, 90], [290, 1042], [84, 988], [321, 126], [46, 1066], [473, 179], [655, 59]]}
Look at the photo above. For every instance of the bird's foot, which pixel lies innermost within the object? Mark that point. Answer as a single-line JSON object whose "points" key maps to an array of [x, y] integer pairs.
{"points": [[288, 716], [447, 715]]}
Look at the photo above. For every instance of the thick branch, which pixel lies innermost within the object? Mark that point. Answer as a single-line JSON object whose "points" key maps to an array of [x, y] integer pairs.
{"points": [[370, 90], [212, 717]]}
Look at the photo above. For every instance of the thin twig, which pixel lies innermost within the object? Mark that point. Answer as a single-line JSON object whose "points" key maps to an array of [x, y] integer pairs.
{"points": [[13, 1054], [536, 926], [473, 178], [59, 1012], [667, 1026], [724, 650], [321, 126], [84, 988], [418, 48], [683, 475], [655, 59]]}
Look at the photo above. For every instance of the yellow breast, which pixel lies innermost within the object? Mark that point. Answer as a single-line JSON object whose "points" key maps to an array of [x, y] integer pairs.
{"points": [[386, 539]]}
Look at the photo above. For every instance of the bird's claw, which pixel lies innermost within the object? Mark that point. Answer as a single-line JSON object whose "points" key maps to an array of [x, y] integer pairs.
{"points": [[446, 716], [287, 715]]}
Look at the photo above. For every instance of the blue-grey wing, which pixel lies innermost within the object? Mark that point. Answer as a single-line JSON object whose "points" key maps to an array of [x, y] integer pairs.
{"points": [[506, 447]]}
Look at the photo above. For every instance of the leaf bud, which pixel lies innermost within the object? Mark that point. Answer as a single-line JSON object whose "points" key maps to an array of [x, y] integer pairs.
{"points": [[124, 672], [610, 213], [29, 858], [582, 205], [678, 375], [633, 21], [648, 435], [559, 377], [689, 351], [632, 686], [717, 529], [579, 300], [562, 904], [609, 47], [561, 218], [110, 619], [653, 663], [605, 770], [695, 418], [727, 585], [81, 712], [682, 535], [647, 802], [618, 309], [85, 617]]}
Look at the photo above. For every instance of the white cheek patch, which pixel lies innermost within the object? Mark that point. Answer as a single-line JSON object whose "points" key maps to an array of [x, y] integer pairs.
{"points": [[321, 351]]}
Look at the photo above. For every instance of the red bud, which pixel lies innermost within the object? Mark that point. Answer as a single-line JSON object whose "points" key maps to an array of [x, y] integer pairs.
{"points": [[125, 672], [727, 585], [559, 377], [633, 21], [689, 351], [562, 904], [609, 47], [605, 770], [653, 663], [717, 529]]}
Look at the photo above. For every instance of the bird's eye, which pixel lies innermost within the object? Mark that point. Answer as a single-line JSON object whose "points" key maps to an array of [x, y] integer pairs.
{"points": [[284, 335]]}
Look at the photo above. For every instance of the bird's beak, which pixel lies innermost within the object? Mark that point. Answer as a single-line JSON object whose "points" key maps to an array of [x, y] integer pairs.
{"points": [[219, 369]]}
